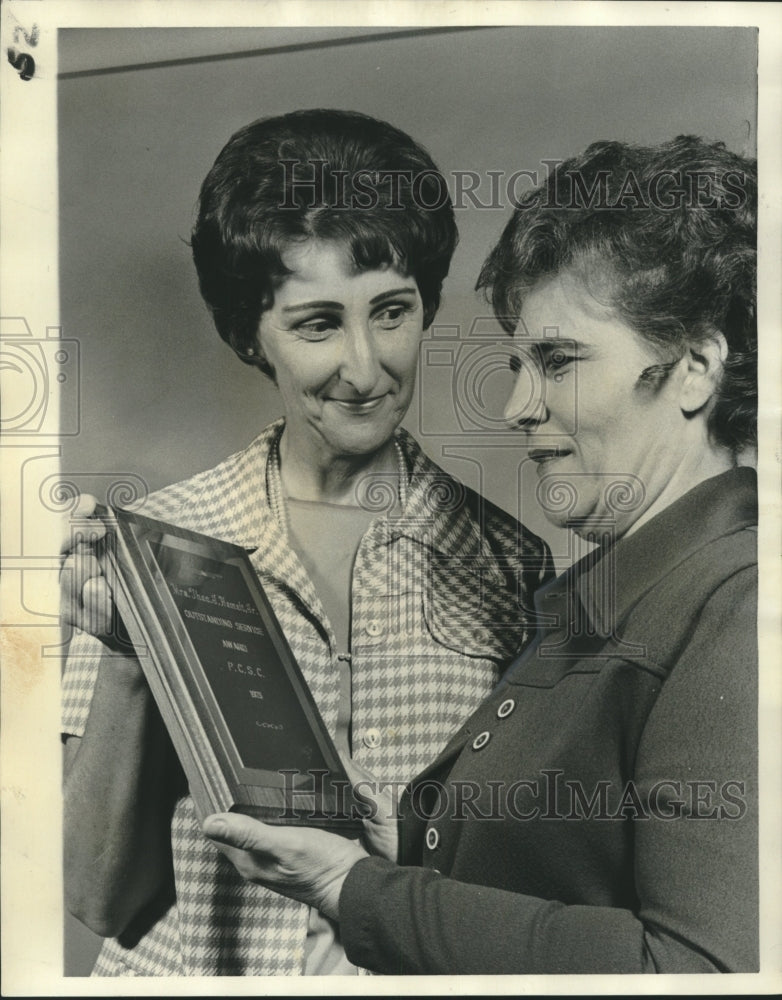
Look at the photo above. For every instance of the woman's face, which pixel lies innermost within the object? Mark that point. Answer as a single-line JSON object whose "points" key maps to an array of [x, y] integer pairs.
{"points": [[608, 440], [344, 349]]}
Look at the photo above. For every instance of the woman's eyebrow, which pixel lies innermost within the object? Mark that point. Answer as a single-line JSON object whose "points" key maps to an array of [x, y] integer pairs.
{"points": [[327, 304], [319, 304], [409, 290], [547, 347]]}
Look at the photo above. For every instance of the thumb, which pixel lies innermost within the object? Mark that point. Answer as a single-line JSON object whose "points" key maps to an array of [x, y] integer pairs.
{"points": [[216, 827], [236, 830]]}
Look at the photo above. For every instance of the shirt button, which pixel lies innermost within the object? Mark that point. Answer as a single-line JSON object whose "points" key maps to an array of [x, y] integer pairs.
{"points": [[481, 740], [506, 708], [373, 628], [432, 838], [372, 738]]}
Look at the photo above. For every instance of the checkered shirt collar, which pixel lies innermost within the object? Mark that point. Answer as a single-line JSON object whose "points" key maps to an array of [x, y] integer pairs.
{"points": [[253, 524], [440, 511], [436, 512]]}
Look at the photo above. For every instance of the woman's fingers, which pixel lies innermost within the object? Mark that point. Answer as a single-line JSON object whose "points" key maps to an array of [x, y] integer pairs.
{"points": [[300, 862], [85, 505], [80, 526], [293, 846], [85, 596], [97, 606]]}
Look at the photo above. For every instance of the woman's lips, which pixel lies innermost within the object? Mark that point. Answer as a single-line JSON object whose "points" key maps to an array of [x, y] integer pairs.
{"points": [[366, 404], [542, 456]]}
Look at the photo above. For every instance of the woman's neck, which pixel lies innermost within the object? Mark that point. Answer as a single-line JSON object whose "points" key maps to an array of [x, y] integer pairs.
{"points": [[695, 469], [324, 476]]}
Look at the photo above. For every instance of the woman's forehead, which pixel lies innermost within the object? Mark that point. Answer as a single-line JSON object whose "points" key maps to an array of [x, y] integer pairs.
{"points": [[568, 297], [566, 309], [325, 262], [325, 273]]}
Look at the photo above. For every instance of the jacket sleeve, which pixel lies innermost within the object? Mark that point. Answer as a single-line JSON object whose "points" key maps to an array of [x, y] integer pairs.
{"points": [[695, 857]]}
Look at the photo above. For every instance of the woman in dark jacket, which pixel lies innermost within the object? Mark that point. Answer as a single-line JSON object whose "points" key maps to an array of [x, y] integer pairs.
{"points": [[598, 813]]}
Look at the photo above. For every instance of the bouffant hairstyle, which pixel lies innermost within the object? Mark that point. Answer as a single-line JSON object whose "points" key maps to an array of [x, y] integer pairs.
{"points": [[317, 174], [668, 233]]}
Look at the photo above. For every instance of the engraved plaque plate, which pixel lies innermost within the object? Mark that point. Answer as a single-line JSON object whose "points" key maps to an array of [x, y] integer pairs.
{"points": [[238, 710]]}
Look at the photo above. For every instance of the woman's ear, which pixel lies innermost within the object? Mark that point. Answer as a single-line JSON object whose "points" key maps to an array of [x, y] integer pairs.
{"points": [[255, 356], [705, 360], [252, 354]]}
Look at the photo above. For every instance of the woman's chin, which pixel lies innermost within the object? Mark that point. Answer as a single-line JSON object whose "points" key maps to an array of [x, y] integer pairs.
{"points": [[359, 442], [359, 436]]}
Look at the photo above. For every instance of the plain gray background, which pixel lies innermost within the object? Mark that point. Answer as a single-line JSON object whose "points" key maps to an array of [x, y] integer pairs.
{"points": [[161, 396]]}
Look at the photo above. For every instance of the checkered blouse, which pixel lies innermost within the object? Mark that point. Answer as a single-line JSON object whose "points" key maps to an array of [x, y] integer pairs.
{"points": [[439, 603]]}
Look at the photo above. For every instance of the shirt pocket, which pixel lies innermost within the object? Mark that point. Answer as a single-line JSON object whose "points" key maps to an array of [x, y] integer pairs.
{"points": [[472, 609]]}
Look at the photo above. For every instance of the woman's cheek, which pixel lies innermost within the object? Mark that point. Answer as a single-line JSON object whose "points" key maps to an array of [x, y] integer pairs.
{"points": [[409, 353]]}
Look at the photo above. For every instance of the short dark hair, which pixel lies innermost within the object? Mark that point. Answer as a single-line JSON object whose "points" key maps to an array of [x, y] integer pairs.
{"points": [[325, 174], [672, 229]]}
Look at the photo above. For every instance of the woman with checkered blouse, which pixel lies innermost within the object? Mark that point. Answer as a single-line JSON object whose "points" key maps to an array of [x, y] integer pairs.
{"points": [[321, 244]]}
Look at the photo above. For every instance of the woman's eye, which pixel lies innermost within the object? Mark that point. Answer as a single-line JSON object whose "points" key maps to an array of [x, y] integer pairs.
{"points": [[542, 361], [319, 327], [558, 359], [391, 316]]}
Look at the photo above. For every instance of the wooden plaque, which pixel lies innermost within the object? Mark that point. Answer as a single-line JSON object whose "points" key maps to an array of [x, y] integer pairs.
{"points": [[237, 708]]}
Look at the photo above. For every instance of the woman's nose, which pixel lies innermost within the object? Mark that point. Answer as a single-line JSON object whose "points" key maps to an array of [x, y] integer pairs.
{"points": [[526, 406], [360, 364]]}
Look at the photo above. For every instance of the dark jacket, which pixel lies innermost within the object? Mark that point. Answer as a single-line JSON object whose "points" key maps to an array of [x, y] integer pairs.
{"points": [[598, 812]]}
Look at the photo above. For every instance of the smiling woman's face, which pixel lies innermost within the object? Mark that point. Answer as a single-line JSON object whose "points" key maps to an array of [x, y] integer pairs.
{"points": [[344, 349]]}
